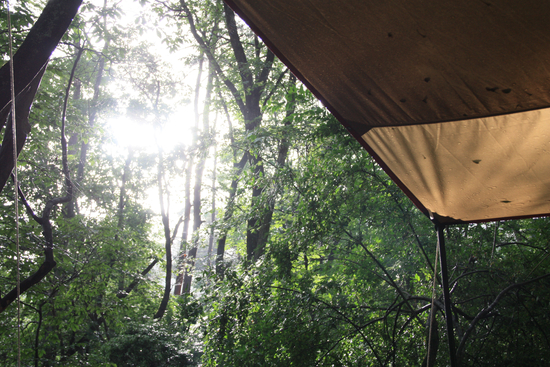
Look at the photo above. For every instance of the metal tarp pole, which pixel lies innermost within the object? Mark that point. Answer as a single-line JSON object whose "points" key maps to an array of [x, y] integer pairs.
{"points": [[446, 295]]}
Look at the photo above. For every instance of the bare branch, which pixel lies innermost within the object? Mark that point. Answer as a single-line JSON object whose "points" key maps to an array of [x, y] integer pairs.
{"points": [[125, 293], [207, 50], [483, 313], [521, 244]]}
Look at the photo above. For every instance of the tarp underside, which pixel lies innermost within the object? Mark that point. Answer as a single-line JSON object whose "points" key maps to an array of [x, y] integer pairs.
{"points": [[429, 86], [398, 62], [475, 169]]}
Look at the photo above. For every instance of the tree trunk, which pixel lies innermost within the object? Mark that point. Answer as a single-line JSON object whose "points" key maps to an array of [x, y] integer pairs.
{"points": [[213, 208], [167, 238], [121, 204], [229, 208], [182, 258], [47, 230], [282, 154], [203, 154], [71, 208], [253, 87], [23, 103], [94, 103], [29, 63]]}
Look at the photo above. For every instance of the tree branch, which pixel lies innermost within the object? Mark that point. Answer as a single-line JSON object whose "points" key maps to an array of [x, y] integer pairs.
{"points": [[29, 62], [238, 51], [49, 262], [483, 313], [207, 50], [132, 285]]}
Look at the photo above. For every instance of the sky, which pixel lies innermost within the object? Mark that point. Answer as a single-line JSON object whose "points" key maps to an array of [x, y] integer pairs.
{"points": [[127, 131]]}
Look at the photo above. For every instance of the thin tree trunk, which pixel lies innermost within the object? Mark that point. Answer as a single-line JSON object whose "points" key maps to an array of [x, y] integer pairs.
{"points": [[182, 258], [253, 240], [72, 149], [229, 208], [203, 153], [73, 140], [121, 204], [238, 167], [123, 291], [265, 222], [167, 238], [252, 114], [94, 103], [213, 208], [37, 335], [253, 86]]}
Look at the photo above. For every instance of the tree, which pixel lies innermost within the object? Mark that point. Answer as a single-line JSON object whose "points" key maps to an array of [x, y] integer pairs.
{"points": [[149, 77], [346, 280], [49, 262], [104, 250], [29, 63], [202, 152], [254, 66], [322, 260]]}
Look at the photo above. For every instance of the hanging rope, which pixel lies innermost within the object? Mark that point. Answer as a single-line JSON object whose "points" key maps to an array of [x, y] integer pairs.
{"points": [[16, 184]]}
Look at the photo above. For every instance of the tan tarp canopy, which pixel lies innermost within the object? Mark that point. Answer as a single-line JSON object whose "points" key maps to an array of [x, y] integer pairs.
{"points": [[449, 96]]}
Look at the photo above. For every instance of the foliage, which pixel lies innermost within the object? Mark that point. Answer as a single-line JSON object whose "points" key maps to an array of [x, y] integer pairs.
{"points": [[145, 345], [348, 276], [322, 260]]}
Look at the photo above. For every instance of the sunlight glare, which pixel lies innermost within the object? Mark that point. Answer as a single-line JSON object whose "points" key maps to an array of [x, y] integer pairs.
{"points": [[135, 134]]}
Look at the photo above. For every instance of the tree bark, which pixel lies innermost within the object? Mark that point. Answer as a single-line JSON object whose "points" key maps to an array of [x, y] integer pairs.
{"points": [[71, 207], [29, 63], [23, 102], [121, 204], [229, 208], [252, 113]]}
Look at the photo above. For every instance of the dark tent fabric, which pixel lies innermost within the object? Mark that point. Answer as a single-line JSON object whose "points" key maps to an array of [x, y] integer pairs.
{"points": [[450, 97]]}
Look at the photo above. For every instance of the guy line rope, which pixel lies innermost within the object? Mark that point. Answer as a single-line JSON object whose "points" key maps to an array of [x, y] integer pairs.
{"points": [[16, 183]]}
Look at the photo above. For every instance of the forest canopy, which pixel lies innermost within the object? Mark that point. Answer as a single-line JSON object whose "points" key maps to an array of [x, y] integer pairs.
{"points": [[184, 200]]}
